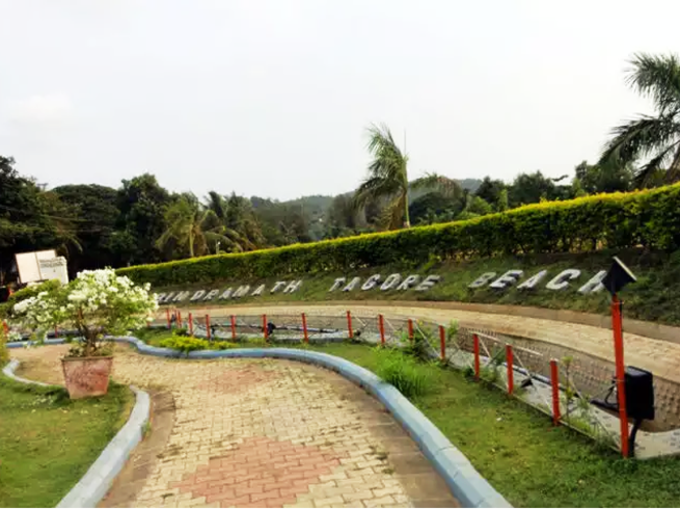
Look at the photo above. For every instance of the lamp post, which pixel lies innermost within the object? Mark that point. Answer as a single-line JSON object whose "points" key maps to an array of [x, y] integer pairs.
{"points": [[217, 248], [619, 276]]}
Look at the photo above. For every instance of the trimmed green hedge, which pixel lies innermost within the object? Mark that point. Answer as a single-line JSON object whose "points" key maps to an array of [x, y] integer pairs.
{"points": [[649, 218]]}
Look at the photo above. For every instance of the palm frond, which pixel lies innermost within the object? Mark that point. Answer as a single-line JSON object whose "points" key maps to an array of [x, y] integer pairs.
{"points": [[646, 173], [658, 77], [638, 138]]}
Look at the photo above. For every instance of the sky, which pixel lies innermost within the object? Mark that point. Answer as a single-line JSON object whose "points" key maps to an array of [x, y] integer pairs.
{"points": [[273, 98]]}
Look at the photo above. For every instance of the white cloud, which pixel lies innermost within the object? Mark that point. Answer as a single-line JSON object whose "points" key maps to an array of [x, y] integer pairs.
{"points": [[42, 110]]}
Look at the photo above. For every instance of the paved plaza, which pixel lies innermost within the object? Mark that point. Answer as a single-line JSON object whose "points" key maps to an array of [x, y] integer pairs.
{"points": [[258, 433]]}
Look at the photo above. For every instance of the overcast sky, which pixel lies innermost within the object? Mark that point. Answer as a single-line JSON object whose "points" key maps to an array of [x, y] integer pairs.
{"points": [[272, 97]]}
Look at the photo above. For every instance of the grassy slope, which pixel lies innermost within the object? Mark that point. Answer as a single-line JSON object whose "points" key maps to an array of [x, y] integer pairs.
{"points": [[47, 442], [519, 452], [652, 298]]}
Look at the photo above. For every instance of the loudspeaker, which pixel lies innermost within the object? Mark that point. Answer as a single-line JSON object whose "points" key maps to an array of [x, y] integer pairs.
{"points": [[618, 276]]}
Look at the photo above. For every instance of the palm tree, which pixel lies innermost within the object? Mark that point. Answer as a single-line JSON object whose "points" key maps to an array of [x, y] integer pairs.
{"points": [[654, 138], [197, 228], [388, 179]]}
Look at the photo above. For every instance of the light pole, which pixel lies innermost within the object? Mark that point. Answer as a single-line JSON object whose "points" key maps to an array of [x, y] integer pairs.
{"points": [[217, 248]]}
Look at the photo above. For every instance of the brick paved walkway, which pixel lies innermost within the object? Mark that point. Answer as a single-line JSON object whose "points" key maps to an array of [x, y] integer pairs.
{"points": [[660, 357], [262, 433]]}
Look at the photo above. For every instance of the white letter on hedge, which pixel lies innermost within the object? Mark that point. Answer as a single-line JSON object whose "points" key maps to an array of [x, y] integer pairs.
{"points": [[428, 283], [160, 297], [257, 291], [277, 286], [293, 286], [509, 278], [226, 294], [180, 296], [408, 282], [391, 281], [241, 291], [532, 281], [595, 283], [197, 295], [371, 282], [212, 294], [352, 284], [561, 281], [338, 282], [482, 280]]}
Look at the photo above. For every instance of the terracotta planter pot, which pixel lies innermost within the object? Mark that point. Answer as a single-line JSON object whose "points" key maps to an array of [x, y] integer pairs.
{"points": [[87, 376]]}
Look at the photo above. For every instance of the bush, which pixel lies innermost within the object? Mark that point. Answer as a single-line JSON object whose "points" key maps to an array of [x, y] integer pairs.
{"points": [[648, 218], [411, 378], [186, 344], [27, 293], [4, 354]]}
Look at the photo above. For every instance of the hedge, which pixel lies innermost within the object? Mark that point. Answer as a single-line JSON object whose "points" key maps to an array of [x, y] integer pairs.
{"points": [[648, 218]]}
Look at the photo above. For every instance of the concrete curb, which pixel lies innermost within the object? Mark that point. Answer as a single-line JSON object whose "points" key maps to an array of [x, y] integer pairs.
{"points": [[466, 484], [92, 487]]}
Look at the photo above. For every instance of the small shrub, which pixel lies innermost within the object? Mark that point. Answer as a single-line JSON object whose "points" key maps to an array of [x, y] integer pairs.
{"points": [[186, 344], [4, 354], [420, 346], [411, 378]]}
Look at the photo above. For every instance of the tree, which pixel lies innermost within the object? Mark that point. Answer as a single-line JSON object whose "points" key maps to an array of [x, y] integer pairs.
{"points": [[490, 190], [606, 177], [196, 230], [653, 138], [142, 203], [96, 212], [388, 179], [531, 188]]}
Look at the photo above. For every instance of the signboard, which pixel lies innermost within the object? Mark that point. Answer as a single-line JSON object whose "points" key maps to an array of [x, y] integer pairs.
{"points": [[54, 268], [29, 267]]}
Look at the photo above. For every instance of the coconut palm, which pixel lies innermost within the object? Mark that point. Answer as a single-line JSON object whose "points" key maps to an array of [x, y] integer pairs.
{"points": [[655, 139], [196, 228], [388, 179]]}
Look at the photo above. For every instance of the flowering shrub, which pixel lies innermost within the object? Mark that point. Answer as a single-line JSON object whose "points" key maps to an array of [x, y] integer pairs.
{"points": [[96, 303]]}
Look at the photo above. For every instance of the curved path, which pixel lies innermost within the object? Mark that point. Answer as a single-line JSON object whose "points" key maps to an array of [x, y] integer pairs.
{"points": [[659, 357], [261, 433]]}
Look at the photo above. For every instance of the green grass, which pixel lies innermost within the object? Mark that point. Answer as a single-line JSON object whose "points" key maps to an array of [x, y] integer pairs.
{"points": [[47, 442], [519, 452], [652, 298]]}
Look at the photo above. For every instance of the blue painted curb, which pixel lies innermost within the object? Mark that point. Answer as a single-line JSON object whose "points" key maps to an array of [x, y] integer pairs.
{"points": [[466, 484], [92, 487]]}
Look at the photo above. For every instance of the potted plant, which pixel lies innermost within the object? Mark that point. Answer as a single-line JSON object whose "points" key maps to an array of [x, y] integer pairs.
{"points": [[97, 303]]}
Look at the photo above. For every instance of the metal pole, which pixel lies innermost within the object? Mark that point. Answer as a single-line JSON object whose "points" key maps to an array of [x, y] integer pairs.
{"points": [[349, 325], [381, 325], [511, 371], [304, 328], [617, 326], [207, 326], [233, 327], [442, 342], [555, 383], [475, 343], [191, 325], [410, 329], [264, 327]]}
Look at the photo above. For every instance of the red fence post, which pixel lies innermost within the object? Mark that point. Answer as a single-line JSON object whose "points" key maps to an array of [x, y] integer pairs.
{"points": [[207, 326], [264, 327], [617, 326], [304, 327], [555, 382], [191, 325], [167, 315], [233, 327], [511, 371], [381, 326], [475, 344], [349, 325], [410, 329], [442, 341], [179, 318], [5, 327]]}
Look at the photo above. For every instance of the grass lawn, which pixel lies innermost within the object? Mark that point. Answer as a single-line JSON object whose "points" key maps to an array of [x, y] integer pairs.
{"points": [[47, 441], [519, 452]]}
